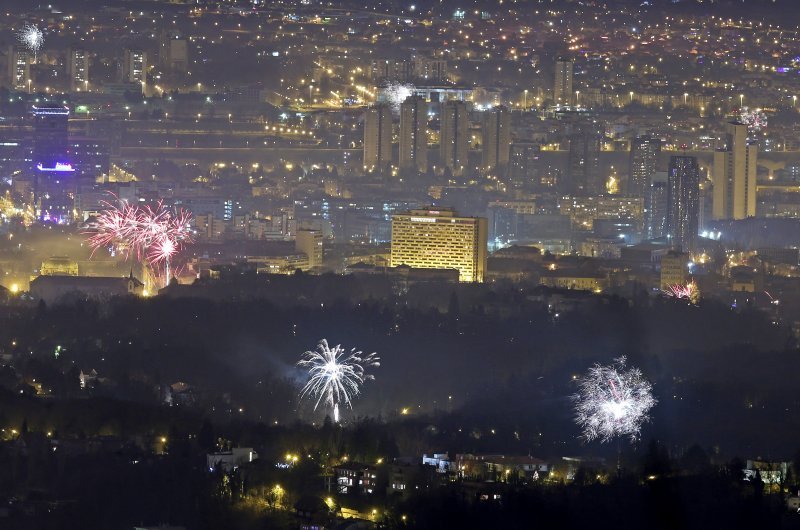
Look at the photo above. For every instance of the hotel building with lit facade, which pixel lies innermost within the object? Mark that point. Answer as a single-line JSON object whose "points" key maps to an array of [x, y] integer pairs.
{"points": [[439, 239]]}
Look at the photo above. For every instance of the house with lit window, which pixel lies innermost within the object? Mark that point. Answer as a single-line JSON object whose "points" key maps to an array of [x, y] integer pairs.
{"points": [[355, 478]]}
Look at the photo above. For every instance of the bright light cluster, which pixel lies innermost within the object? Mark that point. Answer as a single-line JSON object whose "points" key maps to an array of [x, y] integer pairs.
{"points": [[397, 93], [613, 401], [682, 291], [152, 235], [755, 119], [31, 37], [335, 376]]}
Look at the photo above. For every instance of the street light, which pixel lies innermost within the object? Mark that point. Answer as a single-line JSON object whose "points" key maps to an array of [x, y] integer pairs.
{"points": [[741, 100], [525, 104]]}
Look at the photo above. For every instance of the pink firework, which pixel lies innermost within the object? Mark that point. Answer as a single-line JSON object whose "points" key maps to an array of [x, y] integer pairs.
{"points": [[679, 291], [153, 235], [114, 227]]}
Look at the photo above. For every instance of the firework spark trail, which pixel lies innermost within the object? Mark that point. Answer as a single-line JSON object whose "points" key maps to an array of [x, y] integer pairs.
{"points": [[31, 37], [755, 119], [153, 235], [613, 401], [115, 226], [681, 291], [335, 376]]}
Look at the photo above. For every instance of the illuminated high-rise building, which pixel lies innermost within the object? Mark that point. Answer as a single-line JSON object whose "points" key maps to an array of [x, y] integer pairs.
{"points": [[644, 157], [51, 135], [562, 86], [454, 137], [377, 137], [78, 69], [134, 67], [583, 163], [19, 68], [655, 214], [734, 175], [309, 242], [414, 135], [523, 159], [496, 139], [683, 202], [53, 171], [439, 239]]}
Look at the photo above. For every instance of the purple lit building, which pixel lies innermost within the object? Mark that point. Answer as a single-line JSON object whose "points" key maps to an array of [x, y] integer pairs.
{"points": [[53, 172]]}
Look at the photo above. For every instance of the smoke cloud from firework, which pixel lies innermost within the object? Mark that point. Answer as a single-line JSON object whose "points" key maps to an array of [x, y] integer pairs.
{"points": [[152, 235], [613, 401], [335, 376], [31, 37]]}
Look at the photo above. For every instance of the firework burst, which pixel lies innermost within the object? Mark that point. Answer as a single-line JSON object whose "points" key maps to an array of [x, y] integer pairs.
{"points": [[682, 292], [613, 401], [31, 37], [335, 376], [153, 235], [755, 119], [396, 93]]}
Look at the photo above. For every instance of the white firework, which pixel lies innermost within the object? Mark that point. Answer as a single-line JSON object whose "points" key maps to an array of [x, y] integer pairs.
{"points": [[335, 376], [396, 93], [755, 119], [613, 401], [31, 37]]}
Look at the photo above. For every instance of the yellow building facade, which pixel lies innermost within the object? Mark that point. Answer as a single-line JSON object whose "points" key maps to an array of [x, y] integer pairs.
{"points": [[439, 239]]}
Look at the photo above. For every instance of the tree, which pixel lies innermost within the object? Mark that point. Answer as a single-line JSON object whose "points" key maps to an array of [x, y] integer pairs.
{"points": [[695, 460], [205, 437]]}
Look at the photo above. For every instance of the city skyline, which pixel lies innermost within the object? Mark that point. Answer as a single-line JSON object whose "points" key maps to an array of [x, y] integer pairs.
{"points": [[547, 252]]}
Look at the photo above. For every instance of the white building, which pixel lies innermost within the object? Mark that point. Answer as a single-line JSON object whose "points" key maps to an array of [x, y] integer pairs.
{"points": [[230, 460]]}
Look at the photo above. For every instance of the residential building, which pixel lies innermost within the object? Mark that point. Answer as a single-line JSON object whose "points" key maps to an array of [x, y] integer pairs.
{"points": [[414, 135], [655, 213], [583, 164], [643, 159], [734, 175], [496, 142], [19, 68], [352, 477], [454, 137], [78, 69], [134, 67], [683, 202], [377, 137], [309, 242], [562, 86]]}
